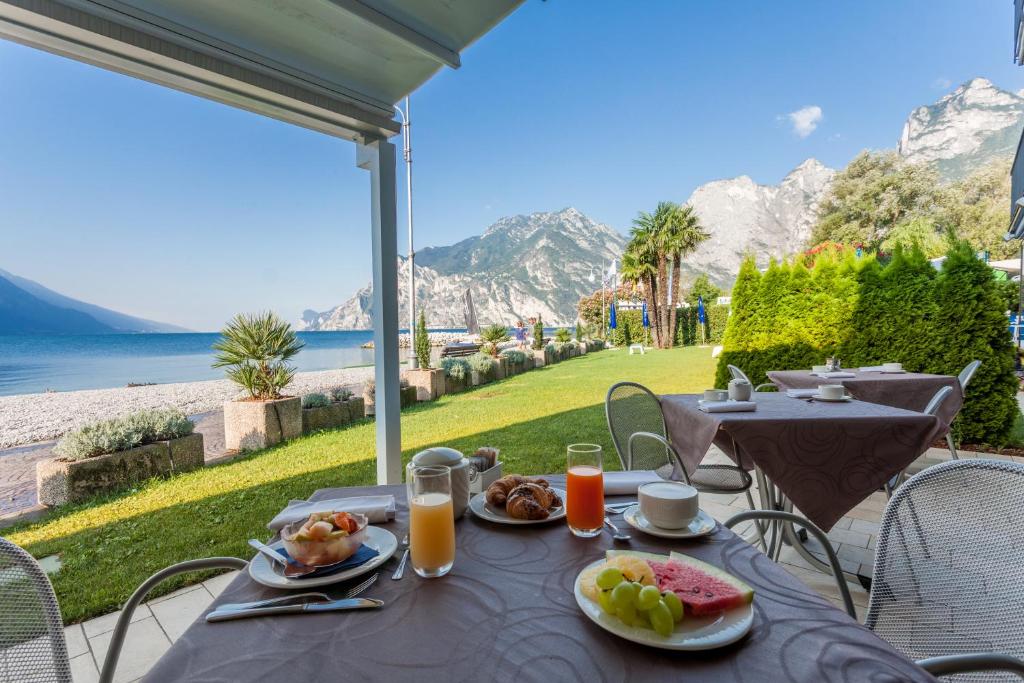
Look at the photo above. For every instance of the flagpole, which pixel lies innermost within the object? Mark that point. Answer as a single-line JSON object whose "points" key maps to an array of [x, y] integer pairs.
{"points": [[604, 326]]}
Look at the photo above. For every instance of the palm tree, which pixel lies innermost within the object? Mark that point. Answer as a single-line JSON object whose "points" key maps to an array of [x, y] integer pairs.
{"points": [[644, 246], [638, 270], [683, 233]]}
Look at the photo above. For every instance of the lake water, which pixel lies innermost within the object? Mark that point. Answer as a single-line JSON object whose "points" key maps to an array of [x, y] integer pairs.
{"points": [[31, 364]]}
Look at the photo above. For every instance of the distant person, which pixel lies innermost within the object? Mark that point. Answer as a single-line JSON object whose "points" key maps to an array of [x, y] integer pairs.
{"points": [[520, 334]]}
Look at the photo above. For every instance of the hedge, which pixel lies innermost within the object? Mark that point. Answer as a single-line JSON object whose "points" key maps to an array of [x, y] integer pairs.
{"points": [[629, 326], [867, 313]]}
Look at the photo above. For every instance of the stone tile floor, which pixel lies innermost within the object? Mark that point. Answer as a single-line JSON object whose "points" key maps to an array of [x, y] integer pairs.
{"points": [[160, 622]]}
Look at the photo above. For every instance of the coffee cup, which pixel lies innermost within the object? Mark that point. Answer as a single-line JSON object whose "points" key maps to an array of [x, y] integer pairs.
{"points": [[832, 391], [668, 504], [892, 367], [716, 395], [819, 368]]}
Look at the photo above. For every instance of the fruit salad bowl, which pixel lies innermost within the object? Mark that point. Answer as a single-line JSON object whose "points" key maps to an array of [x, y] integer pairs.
{"points": [[325, 538]]}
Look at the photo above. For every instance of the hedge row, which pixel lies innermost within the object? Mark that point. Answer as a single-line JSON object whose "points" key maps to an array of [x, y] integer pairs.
{"points": [[867, 313], [630, 330]]}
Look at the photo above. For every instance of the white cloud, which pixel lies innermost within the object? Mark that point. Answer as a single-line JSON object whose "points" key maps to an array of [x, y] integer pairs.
{"points": [[805, 120], [942, 83]]}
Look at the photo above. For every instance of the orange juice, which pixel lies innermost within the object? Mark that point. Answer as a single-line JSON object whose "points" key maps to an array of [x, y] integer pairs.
{"points": [[431, 534], [584, 507]]}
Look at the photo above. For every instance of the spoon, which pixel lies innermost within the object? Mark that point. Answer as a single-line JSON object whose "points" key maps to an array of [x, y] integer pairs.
{"points": [[291, 567], [616, 533]]}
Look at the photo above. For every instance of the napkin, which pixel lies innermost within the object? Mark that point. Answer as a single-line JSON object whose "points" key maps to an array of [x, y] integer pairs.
{"points": [[838, 374], [872, 368], [378, 509], [727, 406], [361, 556], [626, 483], [801, 393]]}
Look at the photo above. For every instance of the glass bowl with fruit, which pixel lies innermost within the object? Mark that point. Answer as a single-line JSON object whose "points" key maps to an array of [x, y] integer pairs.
{"points": [[325, 538]]}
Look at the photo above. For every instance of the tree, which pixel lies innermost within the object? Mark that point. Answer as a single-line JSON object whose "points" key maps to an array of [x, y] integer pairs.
{"points": [[683, 234], [494, 335], [538, 334], [975, 209], [422, 342], [646, 259], [256, 349], [702, 287]]}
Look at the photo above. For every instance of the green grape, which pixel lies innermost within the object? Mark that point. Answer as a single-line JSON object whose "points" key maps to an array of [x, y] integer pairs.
{"points": [[647, 598], [622, 595], [675, 605], [643, 619], [627, 614], [609, 578], [661, 619], [635, 587], [605, 600]]}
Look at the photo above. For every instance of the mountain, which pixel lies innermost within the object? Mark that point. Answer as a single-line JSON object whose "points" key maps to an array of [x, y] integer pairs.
{"points": [[964, 130], [765, 220], [521, 266], [27, 307]]}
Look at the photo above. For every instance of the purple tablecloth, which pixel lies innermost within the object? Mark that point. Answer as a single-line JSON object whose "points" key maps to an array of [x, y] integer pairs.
{"points": [[826, 457], [909, 390], [506, 612]]}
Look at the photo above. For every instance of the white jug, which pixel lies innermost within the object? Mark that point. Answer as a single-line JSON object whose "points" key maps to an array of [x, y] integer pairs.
{"points": [[740, 390], [462, 470]]}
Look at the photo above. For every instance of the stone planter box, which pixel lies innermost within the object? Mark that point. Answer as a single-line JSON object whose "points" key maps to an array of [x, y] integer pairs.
{"points": [[540, 358], [429, 384], [369, 405], [501, 368], [325, 417], [251, 425], [454, 386], [71, 481], [407, 396]]}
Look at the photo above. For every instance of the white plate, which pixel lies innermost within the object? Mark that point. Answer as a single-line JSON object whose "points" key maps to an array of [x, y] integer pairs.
{"points": [[701, 525], [478, 504], [263, 570], [692, 633], [844, 399]]}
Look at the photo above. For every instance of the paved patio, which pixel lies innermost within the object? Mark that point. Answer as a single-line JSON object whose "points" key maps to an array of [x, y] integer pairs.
{"points": [[160, 622]]}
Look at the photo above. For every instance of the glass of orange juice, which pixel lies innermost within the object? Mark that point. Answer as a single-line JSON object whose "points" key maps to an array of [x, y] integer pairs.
{"points": [[584, 488], [431, 520]]}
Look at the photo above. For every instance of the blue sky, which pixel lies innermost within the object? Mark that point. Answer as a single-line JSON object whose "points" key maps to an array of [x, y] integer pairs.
{"points": [[160, 204]]}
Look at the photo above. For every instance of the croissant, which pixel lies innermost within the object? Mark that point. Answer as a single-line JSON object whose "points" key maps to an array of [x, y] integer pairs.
{"points": [[497, 492], [529, 501]]}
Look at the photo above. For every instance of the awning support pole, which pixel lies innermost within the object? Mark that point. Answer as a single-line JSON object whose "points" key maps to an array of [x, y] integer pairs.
{"points": [[378, 157]]}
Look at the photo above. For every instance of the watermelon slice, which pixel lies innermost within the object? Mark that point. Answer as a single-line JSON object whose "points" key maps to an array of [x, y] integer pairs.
{"points": [[703, 588]]}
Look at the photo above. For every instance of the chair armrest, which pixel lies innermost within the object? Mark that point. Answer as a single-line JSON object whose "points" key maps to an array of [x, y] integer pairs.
{"points": [[677, 465], [812, 528], [759, 387], [123, 621], [981, 661]]}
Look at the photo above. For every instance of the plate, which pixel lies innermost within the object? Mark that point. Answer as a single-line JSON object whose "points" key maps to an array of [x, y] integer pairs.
{"points": [[844, 399], [701, 525], [478, 504], [692, 633], [265, 571]]}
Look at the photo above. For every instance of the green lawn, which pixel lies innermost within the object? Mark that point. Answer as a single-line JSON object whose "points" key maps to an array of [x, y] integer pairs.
{"points": [[111, 545]]}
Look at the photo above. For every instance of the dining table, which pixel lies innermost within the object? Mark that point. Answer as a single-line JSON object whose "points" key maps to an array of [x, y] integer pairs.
{"points": [[507, 612]]}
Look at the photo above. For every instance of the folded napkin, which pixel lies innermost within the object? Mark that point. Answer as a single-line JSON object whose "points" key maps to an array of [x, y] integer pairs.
{"points": [[872, 368], [361, 556], [727, 406], [626, 483], [378, 509], [801, 393], [838, 374]]}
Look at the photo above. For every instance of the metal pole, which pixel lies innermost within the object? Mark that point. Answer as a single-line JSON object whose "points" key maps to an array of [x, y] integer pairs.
{"points": [[407, 155], [604, 327]]}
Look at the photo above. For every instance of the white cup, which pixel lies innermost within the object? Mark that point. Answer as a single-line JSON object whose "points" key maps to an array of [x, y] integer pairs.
{"points": [[892, 367], [819, 368], [668, 504], [832, 391], [716, 395]]}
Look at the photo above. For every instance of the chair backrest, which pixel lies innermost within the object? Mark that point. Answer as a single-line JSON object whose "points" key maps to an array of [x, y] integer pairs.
{"points": [[736, 373], [937, 400], [967, 373], [32, 646], [631, 408], [949, 563]]}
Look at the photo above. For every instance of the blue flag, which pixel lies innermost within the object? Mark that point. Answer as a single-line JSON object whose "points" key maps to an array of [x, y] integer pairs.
{"points": [[647, 323], [611, 317], [702, 317]]}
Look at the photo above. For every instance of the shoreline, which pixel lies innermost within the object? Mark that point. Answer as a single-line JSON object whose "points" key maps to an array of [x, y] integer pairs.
{"points": [[27, 419]]}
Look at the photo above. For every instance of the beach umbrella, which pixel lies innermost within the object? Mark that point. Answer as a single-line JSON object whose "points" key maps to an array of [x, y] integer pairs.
{"points": [[647, 323], [702, 316], [611, 316]]}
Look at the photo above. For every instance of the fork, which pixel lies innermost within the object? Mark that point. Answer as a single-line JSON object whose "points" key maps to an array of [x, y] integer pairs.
{"points": [[405, 558], [360, 587], [300, 597]]}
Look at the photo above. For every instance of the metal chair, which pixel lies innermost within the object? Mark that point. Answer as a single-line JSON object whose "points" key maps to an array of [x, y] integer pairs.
{"points": [[931, 409], [948, 569], [736, 373], [964, 378], [32, 645], [641, 441]]}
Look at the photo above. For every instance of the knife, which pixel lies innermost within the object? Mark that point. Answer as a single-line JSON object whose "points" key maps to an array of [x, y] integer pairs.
{"points": [[305, 608]]}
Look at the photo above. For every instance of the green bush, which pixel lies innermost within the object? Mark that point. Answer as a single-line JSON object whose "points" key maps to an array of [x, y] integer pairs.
{"points": [[538, 335], [514, 356], [629, 326], [123, 433], [562, 335], [867, 313], [422, 342], [456, 368], [481, 363], [256, 349], [315, 401], [339, 394]]}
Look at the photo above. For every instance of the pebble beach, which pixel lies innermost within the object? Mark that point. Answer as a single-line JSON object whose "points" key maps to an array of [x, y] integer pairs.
{"points": [[31, 418]]}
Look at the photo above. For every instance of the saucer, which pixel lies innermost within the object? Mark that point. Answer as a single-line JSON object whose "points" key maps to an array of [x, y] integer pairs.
{"points": [[701, 525], [844, 399]]}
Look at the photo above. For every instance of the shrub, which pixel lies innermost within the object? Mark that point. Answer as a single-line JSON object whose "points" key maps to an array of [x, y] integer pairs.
{"points": [[581, 331], [456, 368], [256, 350], [562, 335], [481, 363], [370, 389], [514, 356], [422, 342], [538, 335], [340, 394], [315, 401], [494, 335], [123, 433]]}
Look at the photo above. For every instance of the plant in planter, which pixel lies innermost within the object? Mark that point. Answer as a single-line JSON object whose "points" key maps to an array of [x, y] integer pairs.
{"points": [[562, 335], [516, 360], [429, 383], [456, 372], [538, 335], [492, 336], [481, 367], [319, 411], [108, 455], [406, 393], [256, 349]]}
